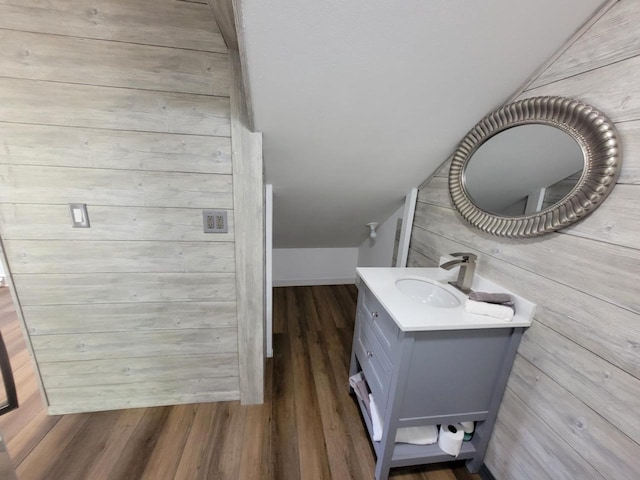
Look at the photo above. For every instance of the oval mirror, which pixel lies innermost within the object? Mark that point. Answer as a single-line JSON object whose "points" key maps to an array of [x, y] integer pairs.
{"points": [[534, 166], [523, 170]]}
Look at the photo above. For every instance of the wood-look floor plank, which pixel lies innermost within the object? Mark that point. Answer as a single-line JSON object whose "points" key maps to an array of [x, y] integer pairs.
{"points": [[31, 435], [192, 461], [332, 307], [38, 463], [255, 463], [225, 461], [115, 443], [360, 448], [344, 464], [7, 471], [173, 437], [286, 462], [29, 402], [279, 323], [137, 451], [87, 442], [313, 460]]}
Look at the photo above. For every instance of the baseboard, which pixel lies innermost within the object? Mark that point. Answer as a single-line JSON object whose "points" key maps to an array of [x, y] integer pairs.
{"points": [[485, 473], [306, 282]]}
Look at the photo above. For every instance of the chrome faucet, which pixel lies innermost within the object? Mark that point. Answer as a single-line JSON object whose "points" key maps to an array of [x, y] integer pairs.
{"points": [[467, 264]]}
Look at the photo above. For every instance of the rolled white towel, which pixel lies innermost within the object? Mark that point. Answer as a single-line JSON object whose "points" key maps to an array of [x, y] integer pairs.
{"points": [[468, 427], [359, 386], [501, 312], [354, 379], [425, 435], [376, 420], [353, 382]]}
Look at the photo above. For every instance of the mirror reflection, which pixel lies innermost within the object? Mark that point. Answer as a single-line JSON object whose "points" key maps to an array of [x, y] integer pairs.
{"points": [[523, 170]]}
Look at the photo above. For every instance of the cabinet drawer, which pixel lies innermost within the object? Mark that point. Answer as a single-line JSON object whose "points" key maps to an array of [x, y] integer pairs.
{"points": [[374, 363], [382, 325]]}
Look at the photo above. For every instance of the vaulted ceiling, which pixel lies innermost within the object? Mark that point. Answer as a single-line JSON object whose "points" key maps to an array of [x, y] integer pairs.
{"points": [[359, 101]]}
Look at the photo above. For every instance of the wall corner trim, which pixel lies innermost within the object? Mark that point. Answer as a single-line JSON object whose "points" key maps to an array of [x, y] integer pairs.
{"points": [[248, 201]]}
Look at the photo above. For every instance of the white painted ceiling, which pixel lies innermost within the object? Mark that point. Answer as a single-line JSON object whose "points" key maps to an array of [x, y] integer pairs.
{"points": [[359, 101]]}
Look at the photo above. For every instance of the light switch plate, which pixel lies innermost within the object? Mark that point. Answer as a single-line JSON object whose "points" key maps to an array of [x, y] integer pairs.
{"points": [[215, 221], [79, 215]]}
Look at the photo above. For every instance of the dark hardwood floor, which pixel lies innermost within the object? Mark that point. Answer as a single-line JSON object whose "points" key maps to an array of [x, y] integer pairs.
{"points": [[308, 428]]}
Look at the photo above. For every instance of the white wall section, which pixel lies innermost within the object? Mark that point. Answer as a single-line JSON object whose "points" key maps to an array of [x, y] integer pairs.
{"points": [[407, 226], [378, 252], [314, 266], [268, 267]]}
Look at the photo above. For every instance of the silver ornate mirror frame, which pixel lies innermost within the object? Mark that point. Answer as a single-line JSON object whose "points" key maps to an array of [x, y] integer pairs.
{"points": [[593, 131]]}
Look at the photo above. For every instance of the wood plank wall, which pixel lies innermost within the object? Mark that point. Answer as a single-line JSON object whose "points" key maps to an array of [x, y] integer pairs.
{"points": [[122, 105], [571, 407]]}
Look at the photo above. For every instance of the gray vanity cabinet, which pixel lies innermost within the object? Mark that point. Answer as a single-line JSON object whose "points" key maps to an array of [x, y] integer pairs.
{"points": [[429, 378]]}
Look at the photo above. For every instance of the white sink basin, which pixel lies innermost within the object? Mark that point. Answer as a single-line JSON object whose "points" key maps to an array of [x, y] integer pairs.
{"points": [[427, 292]]}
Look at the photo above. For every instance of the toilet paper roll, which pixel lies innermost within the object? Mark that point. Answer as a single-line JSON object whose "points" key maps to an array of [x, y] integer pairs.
{"points": [[468, 427], [450, 439]]}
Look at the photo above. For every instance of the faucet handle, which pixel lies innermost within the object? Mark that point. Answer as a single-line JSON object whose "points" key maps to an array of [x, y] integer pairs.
{"points": [[467, 257]]}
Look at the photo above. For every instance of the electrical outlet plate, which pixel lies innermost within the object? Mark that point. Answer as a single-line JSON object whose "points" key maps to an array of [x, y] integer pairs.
{"points": [[215, 221], [79, 215]]}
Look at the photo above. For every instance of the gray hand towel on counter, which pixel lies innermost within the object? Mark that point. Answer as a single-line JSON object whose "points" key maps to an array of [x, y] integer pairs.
{"points": [[494, 298], [487, 297]]}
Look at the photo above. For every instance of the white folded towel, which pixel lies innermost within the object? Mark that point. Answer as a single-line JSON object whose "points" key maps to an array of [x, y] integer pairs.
{"points": [[418, 435], [376, 420], [353, 382], [500, 312], [359, 386]]}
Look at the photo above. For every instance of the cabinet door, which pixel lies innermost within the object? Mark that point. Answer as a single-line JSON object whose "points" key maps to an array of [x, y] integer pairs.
{"points": [[374, 363], [382, 325], [455, 372]]}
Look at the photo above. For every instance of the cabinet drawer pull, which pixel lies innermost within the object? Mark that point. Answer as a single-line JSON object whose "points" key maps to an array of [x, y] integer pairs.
{"points": [[374, 314], [369, 353]]}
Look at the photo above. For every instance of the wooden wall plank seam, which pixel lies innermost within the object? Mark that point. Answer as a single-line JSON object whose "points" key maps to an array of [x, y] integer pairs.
{"points": [[116, 108], [97, 346], [123, 317], [148, 394], [129, 65], [54, 256], [61, 185], [150, 22], [609, 43], [109, 371], [45, 289], [607, 88], [62, 146], [562, 51]]}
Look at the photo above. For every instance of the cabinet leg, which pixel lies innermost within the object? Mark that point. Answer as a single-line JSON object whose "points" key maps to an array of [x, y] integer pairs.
{"points": [[474, 464], [382, 470]]}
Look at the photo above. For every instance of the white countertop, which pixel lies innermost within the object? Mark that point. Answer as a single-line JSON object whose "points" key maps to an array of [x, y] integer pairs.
{"points": [[413, 315]]}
